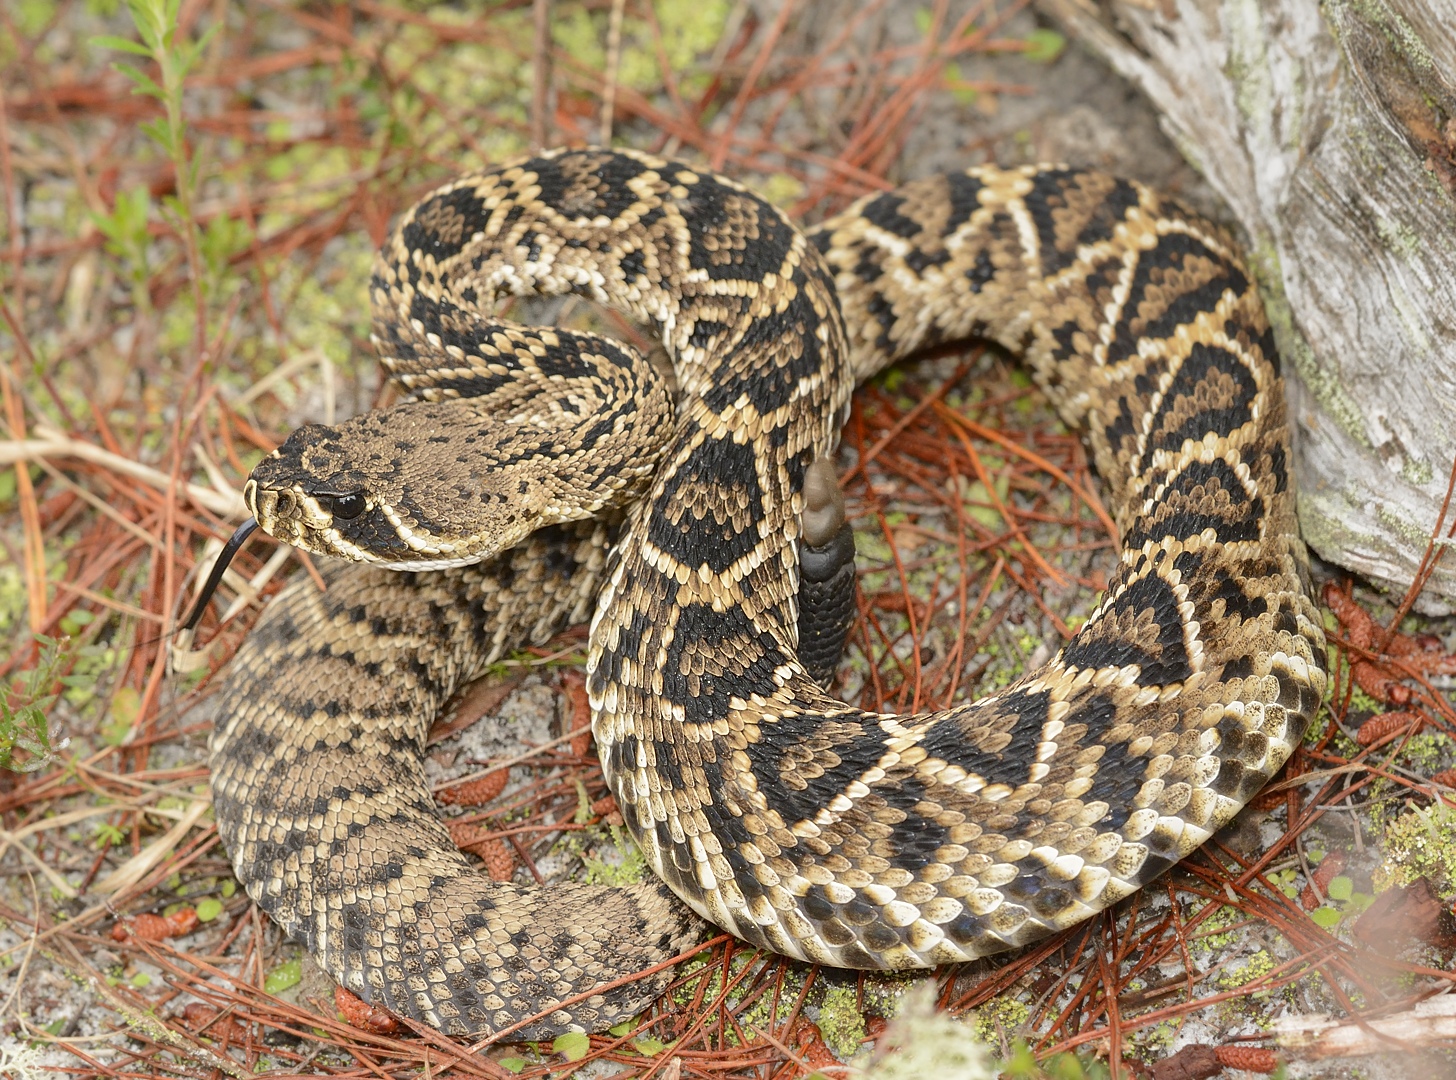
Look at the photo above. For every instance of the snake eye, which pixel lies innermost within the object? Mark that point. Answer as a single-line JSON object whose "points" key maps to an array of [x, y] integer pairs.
{"points": [[347, 506]]}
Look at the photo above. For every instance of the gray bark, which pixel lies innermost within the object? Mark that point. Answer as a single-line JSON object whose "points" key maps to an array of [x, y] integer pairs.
{"points": [[1328, 129]]}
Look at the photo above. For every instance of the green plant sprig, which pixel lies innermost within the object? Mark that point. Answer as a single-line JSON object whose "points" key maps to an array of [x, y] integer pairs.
{"points": [[27, 741], [175, 57]]}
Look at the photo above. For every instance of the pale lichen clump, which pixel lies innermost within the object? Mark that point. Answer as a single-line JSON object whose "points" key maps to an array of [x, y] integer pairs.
{"points": [[1000, 1019], [1421, 843], [840, 1021]]}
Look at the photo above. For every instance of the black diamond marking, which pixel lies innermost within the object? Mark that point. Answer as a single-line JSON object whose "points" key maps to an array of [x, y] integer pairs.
{"points": [[771, 387], [1118, 773], [1122, 425], [459, 213], [722, 821], [963, 196], [952, 738], [566, 358], [677, 528], [586, 184], [633, 264], [1278, 469], [1048, 195], [623, 755], [558, 558], [1111, 211], [715, 656], [707, 213], [609, 669], [705, 331], [1237, 331], [868, 268], [1237, 603], [918, 260], [665, 759], [883, 212], [1183, 510], [1170, 255], [883, 312], [742, 871], [793, 805], [982, 272], [1162, 661], [1202, 362], [1270, 350], [917, 838]]}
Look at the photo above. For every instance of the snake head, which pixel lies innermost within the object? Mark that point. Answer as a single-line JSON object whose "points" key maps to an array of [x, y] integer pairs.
{"points": [[307, 493], [407, 488]]}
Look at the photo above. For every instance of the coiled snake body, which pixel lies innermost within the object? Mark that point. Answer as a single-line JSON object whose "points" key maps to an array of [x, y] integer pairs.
{"points": [[776, 812]]}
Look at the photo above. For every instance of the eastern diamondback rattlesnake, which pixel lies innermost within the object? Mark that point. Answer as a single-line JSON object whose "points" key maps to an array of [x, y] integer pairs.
{"points": [[773, 810]]}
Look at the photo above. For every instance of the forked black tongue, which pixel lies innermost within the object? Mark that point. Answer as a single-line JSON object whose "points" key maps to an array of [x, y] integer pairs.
{"points": [[231, 548]]}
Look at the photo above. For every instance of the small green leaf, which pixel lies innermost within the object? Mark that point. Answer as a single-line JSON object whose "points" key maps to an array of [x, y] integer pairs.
{"points": [[1326, 917], [621, 1029], [209, 909], [141, 84], [228, 888], [106, 41], [647, 1045], [200, 45], [126, 705], [1044, 45], [1340, 888], [283, 976], [512, 1064], [140, 979], [161, 131], [573, 1046], [953, 76]]}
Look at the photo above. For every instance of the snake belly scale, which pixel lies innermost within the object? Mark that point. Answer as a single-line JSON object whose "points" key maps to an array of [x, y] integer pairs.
{"points": [[774, 811]]}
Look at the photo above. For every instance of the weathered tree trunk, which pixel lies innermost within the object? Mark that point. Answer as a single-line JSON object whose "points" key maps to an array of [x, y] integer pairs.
{"points": [[1328, 128]]}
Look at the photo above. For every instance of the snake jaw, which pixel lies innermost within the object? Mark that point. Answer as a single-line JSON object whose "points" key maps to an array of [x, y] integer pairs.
{"points": [[292, 516]]}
